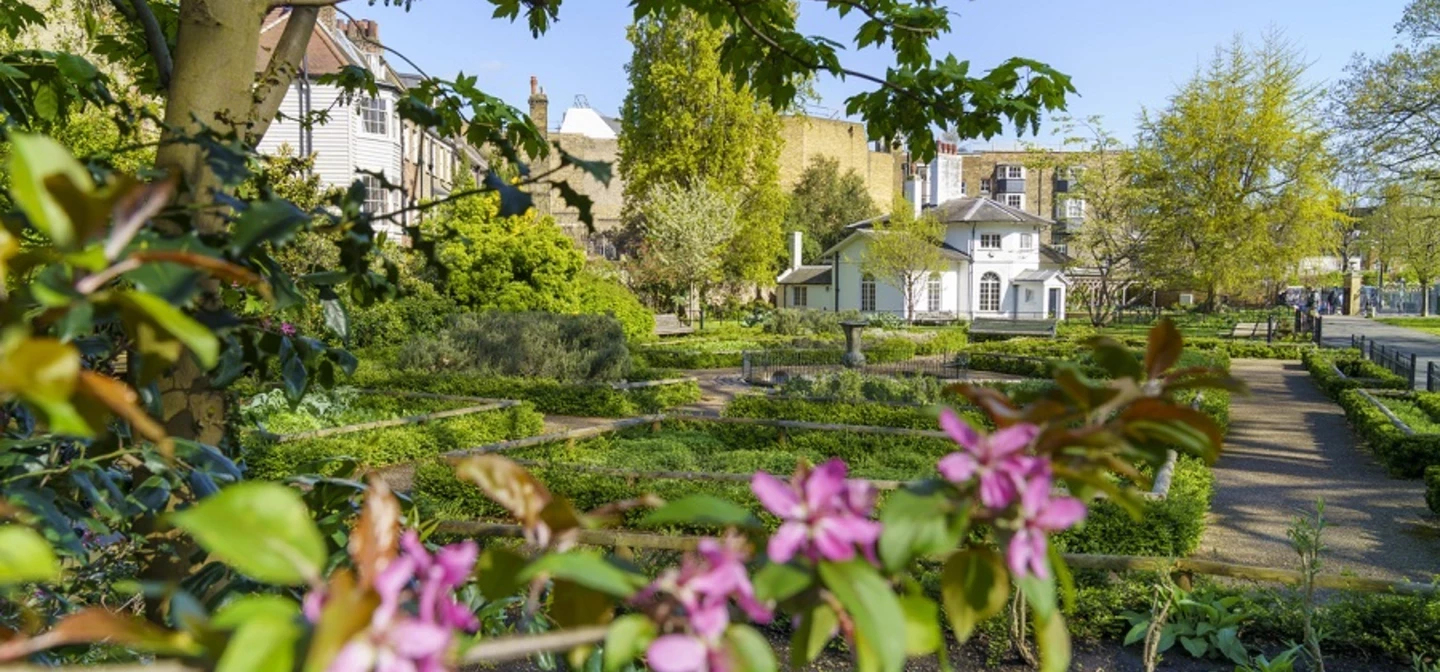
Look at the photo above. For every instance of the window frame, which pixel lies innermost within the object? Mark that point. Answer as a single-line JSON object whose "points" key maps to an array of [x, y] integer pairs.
{"points": [[867, 293], [373, 110], [934, 292], [1020, 198], [1074, 208], [999, 241], [1014, 172], [1027, 241], [985, 184], [799, 296], [376, 198], [990, 292]]}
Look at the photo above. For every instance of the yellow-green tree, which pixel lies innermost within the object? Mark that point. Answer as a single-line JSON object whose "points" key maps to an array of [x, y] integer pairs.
{"points": [[903, 250], [1407, 224], [1236, 172], [685, 121]]}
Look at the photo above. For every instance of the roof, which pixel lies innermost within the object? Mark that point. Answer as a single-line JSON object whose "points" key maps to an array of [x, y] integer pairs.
{"points": [[967, 211], [952, 252], [1055, 256], [805, 275], [328, 51], [1036, 275], [946, 249]]}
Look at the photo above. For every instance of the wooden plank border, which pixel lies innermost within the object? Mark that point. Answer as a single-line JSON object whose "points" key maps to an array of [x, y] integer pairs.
{"points": [[393, 422]]}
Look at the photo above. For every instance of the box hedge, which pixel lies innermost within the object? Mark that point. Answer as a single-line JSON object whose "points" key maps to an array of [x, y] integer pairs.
{"points": [[1404, 455], [1169, 527], [389, 445], [1335, 371], [1432, 487], [549, 396]]}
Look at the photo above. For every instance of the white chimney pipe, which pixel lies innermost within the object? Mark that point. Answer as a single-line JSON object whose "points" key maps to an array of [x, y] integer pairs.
{"points": [[795, 249]]}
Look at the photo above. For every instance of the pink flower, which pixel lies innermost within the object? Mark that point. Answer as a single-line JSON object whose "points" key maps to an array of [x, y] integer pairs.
{"points": [[826, 515], [994, 459], [700, 650], [1040, 514], [703, 585], [287, 329]]}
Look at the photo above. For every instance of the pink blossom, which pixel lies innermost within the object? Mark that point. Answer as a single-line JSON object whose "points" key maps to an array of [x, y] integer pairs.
{"points": [[825, 515], [703, 586], [994, 459], [287, 329], [1040, 514]]}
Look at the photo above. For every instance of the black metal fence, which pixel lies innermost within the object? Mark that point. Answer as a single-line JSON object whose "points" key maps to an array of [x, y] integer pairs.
{"points": [[1393, 359]]}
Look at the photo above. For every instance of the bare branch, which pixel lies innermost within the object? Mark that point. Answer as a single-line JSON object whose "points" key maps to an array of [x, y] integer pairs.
{"points": [[155, 39], [281, 70]]}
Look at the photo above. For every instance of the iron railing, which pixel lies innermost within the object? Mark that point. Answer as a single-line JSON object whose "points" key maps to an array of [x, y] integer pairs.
{"points": [[1394, 360], [1432, 377]]}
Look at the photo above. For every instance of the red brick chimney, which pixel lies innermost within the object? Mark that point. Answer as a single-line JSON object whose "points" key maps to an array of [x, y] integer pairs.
{"points": [[365, 34]]}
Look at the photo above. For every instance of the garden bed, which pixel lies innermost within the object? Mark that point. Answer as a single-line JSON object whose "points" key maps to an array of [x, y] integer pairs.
{"points": [[1335, 371], [1383, 419]]}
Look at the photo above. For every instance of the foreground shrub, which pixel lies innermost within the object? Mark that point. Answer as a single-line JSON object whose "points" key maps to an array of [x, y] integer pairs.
{"points": [[536, 345]]}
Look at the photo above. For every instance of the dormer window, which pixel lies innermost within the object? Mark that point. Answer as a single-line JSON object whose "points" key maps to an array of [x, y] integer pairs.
{"points": [[1013, 172]]}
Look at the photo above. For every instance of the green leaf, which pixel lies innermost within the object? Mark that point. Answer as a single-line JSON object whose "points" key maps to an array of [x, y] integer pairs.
{"points": [[975, 587], [497, 572], [261, 529], [1228, 641], [626, 640], [141, 309], [749, 650], [33, 158], [1196, 646], [917, 523], [702, 510], [266, 628], [1116, 359], [777, 583], [574, 605], [25, 556], [1063, 576], [1054, 642], [817, 626], [1040, 593], [879, 620], [293, 373], [337, 319], [45, 372], [922, 625], [1137, 633], [587, 569]]}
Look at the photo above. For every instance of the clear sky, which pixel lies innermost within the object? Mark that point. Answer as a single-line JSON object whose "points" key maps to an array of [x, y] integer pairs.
{"points": [[1122, 54]]}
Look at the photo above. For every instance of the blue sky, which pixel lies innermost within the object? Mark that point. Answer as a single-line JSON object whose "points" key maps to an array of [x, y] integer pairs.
{"points": [[1122, 54]]}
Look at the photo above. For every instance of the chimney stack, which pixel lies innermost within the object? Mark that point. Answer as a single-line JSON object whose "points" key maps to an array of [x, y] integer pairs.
{"points": [[796, 249], [365, 34], [539, 107]]}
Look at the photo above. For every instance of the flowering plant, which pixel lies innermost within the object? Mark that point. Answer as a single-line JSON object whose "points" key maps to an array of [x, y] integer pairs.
{"points": [[836, 564]]}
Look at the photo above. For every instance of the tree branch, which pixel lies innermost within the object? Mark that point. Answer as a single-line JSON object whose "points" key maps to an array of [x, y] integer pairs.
{"points": [[155, 39], [281, 70], [303, 3]]}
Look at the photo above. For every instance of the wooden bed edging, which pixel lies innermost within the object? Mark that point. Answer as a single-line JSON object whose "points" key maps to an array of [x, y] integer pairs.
{"points": [[566, 435], [1117, 563], [624, 385]]}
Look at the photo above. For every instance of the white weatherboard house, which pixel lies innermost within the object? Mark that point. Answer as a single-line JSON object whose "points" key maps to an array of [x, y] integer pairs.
{"points": [[993, 266]]}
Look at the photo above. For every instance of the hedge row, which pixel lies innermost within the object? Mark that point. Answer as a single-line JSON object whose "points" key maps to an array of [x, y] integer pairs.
{"points": [[1238, 348], [887, 351], [549, 396], [1168, 527], [1404, 455], [1432, 487], [1357, 372], [389, 445]]}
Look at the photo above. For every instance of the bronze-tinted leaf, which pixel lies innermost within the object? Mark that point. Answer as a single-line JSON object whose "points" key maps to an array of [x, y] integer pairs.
{"points": [[1163, 349], [992, 401], [375, 541], [215, 266], [348, 609], [136, 206], [123, 401], [1151, 410], [509, 484], [96, 625]]}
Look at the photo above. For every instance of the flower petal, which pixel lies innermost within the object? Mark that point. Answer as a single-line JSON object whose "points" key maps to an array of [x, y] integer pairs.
{"points": [[776, 495], [859, 496], [416, 639], [710, 621], [676, 653], [824, 484], [455, 562], [786, 542], [1017, 554], [958, 467], [1012, 439], [959, 430], [833, 540], [358, 655], [1059, 514], [997, 489], [410, 544]]}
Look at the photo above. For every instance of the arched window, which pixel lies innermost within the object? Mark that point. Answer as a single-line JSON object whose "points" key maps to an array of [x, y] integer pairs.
{"points": [[867, 293], [990, 293], [932, 293]]}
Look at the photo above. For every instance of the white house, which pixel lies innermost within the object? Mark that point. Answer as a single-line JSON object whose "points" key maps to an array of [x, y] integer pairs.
{"points": [[363, 134], [994, 266]]}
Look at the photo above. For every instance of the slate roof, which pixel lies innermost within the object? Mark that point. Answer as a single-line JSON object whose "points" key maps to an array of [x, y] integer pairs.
{"points": [[806, 275], [1036, 275], [968, 210]]}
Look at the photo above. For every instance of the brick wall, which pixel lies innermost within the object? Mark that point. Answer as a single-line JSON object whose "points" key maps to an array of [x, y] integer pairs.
{"points": [[808, 137]]}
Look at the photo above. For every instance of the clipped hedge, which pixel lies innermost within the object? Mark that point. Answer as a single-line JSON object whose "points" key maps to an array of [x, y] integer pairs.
{"points": [[839, 413], [1169, 527], [549, 396], [390, 445], [1404, 455], [1432, 487], [1357, 372], [1237, 348]]}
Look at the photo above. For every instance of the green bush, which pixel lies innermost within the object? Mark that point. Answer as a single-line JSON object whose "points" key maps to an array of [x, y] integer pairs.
{"points": [[802, 322], [1404, 455], [343, 405], [539, 345], [940, 341], [1236, 348], [889, 350], [676, 358], [1353, 372], [600, 295], [839, 413], [549, 396], [1169, 527], [1432, 487], [390, 445]]}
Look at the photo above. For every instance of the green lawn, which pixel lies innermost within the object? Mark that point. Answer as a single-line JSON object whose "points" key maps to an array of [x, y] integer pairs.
{"points": [[1429, 325]]}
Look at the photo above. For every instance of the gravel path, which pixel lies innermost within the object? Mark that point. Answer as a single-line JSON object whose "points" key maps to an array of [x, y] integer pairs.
{"points": [[1289, 445]]}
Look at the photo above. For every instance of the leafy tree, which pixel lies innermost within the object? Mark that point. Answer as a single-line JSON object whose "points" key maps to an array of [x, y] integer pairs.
{"points": [[1236, 172], [688, 230], [1108, 242], [824, 201], [686, 121], [1407, 221], [903, 250], [517, 263]]}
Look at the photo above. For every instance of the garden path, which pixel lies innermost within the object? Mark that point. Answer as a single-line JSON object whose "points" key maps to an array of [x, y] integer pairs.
{"points": [[1288, 445], [1338, 328]]}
